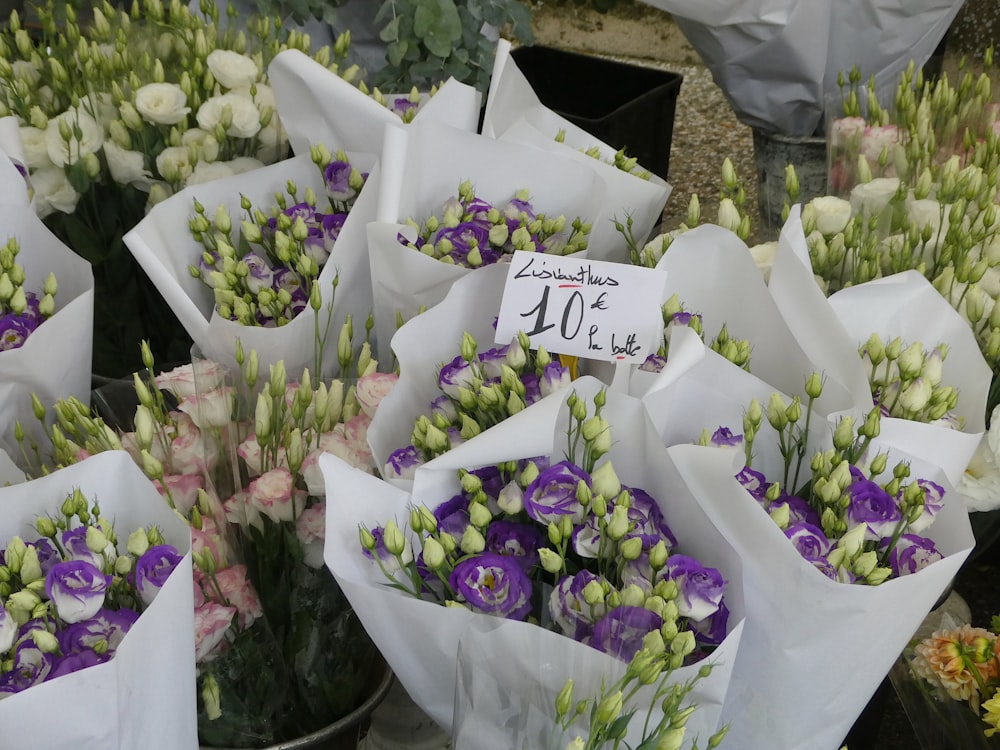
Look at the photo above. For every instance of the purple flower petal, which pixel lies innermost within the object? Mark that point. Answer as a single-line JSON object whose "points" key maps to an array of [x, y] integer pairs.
{"points": [[493, 584], [620, 631]]}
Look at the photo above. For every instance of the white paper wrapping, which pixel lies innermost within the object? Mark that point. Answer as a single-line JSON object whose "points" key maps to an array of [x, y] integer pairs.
{"points": [[777, 60], [422, 166], [906, 305], [419, 638], [144, 696], [425, 343], [515, 113], [713, 274], [318, 106], [165, 247], [813, 650], [54, 362]]}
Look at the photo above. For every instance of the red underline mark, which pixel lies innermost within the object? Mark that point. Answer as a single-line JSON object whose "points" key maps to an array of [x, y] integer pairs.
{"points": [[570, 286]]}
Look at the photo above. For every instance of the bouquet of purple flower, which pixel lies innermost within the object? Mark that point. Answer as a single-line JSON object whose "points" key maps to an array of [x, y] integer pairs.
{"points": [[473, 232], [594, 542], [96, 590], [21, 312], [267, 274], [478, 390]]}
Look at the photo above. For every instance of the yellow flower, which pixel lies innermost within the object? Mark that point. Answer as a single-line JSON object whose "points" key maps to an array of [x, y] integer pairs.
{"points": [[949, 656], [992, 715]]}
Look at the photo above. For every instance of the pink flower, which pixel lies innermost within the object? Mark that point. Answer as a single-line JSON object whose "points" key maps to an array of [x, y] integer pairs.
{"points": [[238, 510], [238, 592], [372, 388], [878, 137], [190, 453], [310, 527], [182, 488], [249, 451], [202, 375], [208, 539], [271, 494], [213, 409], [846, 128], [211, 621]]}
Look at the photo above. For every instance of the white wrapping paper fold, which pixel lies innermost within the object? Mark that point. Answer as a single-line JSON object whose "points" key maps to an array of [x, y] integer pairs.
{"points": [[777, 60], [145, 695], [515, 113], [422, 166], [165, 247], [316, 105], [793, 687], [419, 639], [713, 274], [54, 362]]}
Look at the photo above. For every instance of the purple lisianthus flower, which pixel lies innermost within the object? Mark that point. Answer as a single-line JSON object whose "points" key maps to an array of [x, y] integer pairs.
{"points": [[647, 520], [799, 510], [8, 630], [515, 211], [153, 569], [823, 565], [47, 553], [871, 504], [260, 275], [754, 482], [31, 666], [912, 554], [933, 502], [316, 245], [338, 181], [725, 437], [332, 225], [620, 631], [653, 363], [456, 374], [287, 279], [809, 540], [75, 662], [493, 584], [443, 406], [532, 387], [77, 589], [492, 359], [587, 538], [74, 541], [453, 515], [711, 631], [683, 318], [14, 330], [477, 209], [493, 481], [108, 626], [553, 494], [700, 588], [388, 560], [554, 378], [401, 105], [568, 609], [403, 462], [518, 541], [464, 237]]}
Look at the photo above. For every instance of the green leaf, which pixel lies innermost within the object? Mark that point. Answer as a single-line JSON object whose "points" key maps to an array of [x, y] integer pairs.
{"points": [[391, 31], [395, 51], [438, 25]]}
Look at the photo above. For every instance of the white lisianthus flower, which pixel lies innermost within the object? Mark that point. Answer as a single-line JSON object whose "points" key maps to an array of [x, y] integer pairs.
{"points": [[231, 69], [242, 164], [174, 164], [25, 70], [245, 117], [207, 171], [832, 214], [53, 192], [980, 485], [127, 167], [101, 108], [162, 103], [35, 147], [203, 140], [870, 198], [263, 96], [729, 216], [91, 137], [927, 212], [763, 257], [990, 283]]}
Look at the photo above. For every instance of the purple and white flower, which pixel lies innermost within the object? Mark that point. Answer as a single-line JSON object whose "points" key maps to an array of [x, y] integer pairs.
{"points": [[809, 540], [108, 626], [518, 541], [700, 588], [871, 504], [456, 374], [912, 553], [31, 666], [77, 588], [620, 631], [553, 494], [568, 608], [153, 569], [493, 584], [403, 462]]}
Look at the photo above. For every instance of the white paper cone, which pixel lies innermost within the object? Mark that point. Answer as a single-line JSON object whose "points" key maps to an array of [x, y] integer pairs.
{"points": [[422, 166], [318, 106], [419, 638], [144, 696], [813, 650], [514, 113], [54, 362], [164, 247]]}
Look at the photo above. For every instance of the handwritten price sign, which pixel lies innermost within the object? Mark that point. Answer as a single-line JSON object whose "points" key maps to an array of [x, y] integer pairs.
{"points": [[588, 308]]}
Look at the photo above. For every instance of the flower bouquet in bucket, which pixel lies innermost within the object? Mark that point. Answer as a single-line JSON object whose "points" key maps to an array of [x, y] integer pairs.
{"points": [[96, 599], [564, 517]]}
